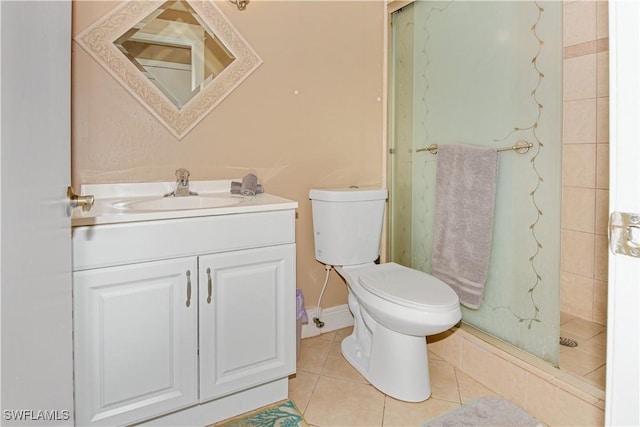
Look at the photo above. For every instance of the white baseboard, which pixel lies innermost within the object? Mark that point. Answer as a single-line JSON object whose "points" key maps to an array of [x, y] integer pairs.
{"points": [[334, 318]]}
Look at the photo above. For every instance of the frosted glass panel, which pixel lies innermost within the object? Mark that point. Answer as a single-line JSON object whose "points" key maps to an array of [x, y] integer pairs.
{"points": [[486, 74]]}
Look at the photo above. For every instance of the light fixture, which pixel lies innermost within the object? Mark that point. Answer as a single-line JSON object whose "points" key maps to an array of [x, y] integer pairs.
{"points": [[240, 4]]}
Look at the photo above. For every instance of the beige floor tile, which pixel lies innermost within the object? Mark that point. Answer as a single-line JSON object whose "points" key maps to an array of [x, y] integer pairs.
{"points": [[399, 413], [338, 367], [594, 347], [329, 336], [568, 364], [588, 359], [583, 328], [301, 386], [565, 317], [343, 333], [313, 353], [582, 358], [471, 389], [434, 356], [601, 338], [444, 384], [337, 402], [598, 377], [335, 349], [330, 392], [565, 334]]}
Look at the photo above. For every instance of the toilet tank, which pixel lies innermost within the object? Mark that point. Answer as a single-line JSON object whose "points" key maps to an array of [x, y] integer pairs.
{"points": [[347, 224]]}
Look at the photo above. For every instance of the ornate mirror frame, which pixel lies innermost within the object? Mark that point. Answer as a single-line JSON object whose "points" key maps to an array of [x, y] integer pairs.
{"points": [[98, 41]]}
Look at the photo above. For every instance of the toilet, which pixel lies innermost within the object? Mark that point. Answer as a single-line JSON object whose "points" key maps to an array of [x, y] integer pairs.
{"points": [[394, 307]]}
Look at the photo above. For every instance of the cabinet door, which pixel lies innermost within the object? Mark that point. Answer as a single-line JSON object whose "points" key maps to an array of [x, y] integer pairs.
{"points": [[247, 326], [135, 341]]}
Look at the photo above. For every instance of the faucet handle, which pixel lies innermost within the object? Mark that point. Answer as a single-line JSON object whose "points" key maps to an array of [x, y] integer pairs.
{"points": [[182, 175]]}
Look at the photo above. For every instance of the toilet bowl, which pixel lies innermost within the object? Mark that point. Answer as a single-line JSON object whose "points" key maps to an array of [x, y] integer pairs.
{"points": [[394, 307]]}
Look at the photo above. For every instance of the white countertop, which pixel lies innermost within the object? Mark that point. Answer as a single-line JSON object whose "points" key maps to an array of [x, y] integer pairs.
{"points": [[108, 196]]}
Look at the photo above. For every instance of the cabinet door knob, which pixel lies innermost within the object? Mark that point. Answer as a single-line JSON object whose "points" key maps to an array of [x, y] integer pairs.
{"points": [[188, 288], [209, 286]]}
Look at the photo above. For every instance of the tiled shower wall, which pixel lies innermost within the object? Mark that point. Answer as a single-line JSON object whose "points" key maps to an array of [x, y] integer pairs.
{"points": [[585, 171]]}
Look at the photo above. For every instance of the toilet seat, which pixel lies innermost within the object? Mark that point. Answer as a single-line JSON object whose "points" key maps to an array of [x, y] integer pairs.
{"points": [[408, 287]]}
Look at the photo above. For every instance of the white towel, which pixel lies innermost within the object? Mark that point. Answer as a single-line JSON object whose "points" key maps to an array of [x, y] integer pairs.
{"points": [[463, 219]]}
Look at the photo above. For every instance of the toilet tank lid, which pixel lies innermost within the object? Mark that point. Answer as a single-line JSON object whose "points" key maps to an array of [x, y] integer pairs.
{"points": [[351, 194]]}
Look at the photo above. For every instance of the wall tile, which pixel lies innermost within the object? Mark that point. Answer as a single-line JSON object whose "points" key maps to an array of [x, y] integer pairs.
{"points": [[602, 74], [586, 121], [494, 372], [600, 298], [601, 266], [579, 121], [602, 122], [557, 407], [579, 79], [579, 22], [580, 49], [579, 165], [576, 295], [602, 166], [577, 253], [602, 19], [578, 209], [540, 398], [573, 411], [602, 212]]}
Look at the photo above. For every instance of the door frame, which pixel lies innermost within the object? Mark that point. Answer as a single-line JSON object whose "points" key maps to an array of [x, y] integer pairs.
{"points": [[623, 323]]}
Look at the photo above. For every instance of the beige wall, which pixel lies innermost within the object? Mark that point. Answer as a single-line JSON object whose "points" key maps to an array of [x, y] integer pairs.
{"points": [[311, 115], [585, 160]]}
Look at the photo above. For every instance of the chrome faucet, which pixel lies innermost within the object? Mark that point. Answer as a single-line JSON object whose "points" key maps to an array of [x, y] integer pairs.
{"points": [[182, 185]]}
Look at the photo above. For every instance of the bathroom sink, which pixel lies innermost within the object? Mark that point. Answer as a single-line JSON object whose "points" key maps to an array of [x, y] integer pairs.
{"points": [[177, 203]]}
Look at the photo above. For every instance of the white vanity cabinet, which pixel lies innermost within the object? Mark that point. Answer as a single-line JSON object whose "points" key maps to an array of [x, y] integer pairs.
{"points": [[243, 319], [135, 340], [191, 317]]}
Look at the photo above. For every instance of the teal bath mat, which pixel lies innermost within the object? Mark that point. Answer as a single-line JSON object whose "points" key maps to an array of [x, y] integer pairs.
{"points": [[282, 414]]}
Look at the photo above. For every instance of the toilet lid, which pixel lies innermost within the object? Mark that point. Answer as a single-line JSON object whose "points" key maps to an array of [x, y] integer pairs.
{"points": [[408, 287]]}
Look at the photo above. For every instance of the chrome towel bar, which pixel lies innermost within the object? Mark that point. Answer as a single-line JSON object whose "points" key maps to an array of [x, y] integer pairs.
{"points": [[521, 147]]}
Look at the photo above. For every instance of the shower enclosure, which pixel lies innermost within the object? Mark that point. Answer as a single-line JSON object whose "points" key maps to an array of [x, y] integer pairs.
{"points": [[486, 74]]}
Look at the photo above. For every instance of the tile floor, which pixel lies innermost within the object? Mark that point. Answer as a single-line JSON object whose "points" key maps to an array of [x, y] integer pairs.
{"points": [[588, 359], [330, 392]]}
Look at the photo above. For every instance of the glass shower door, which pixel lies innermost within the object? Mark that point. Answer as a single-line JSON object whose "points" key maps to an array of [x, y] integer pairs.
{"points": [[485, 74]]}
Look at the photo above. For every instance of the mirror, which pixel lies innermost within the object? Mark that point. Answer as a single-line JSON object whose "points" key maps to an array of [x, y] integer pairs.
{"points": [[179, 58], [175, 50]]}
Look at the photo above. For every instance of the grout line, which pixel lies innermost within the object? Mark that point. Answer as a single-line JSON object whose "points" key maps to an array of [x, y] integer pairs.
{"points": [[384, 409], [455, 374]]}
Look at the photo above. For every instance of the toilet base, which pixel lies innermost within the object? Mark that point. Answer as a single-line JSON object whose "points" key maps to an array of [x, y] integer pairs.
{"points": [[396, 364]]}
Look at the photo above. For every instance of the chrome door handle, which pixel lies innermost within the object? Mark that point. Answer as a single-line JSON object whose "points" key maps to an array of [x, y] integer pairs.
{"points": [[73, 201]]}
